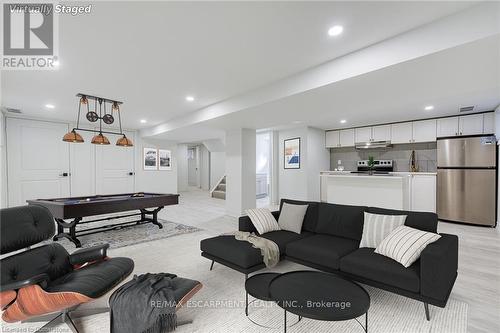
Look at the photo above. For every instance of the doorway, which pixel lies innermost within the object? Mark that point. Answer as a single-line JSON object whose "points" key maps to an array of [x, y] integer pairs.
{"points": [[263, 168], [193, 155]]}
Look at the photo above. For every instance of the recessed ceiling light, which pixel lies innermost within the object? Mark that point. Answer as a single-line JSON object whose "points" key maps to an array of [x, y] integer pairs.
{"points": [[335, 30], [343, 121], [429, 107], [143, 121], [189, 98], [49, 106], [296, 121]]}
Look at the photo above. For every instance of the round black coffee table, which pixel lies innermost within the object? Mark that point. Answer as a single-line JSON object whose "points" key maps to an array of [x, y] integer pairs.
{"points": [[257, 286], [320, 296]]}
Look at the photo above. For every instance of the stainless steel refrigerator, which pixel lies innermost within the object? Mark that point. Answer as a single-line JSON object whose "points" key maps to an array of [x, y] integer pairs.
{"points": [[467, 180]]}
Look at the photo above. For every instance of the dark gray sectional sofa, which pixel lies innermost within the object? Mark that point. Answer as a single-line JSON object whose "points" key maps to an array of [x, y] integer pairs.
{"points": [[329, 241]]}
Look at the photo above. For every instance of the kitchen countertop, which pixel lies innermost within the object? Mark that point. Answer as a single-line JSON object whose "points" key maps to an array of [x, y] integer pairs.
{"points": [[391, 174]]}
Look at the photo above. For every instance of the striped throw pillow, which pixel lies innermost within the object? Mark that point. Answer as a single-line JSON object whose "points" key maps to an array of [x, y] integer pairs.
{"points": [[262, 220], [405, 244], [376, 227]]}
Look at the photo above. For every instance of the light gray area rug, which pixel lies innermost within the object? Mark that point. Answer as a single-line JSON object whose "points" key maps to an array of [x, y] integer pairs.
{"points": [[121, 237], [219, 306]]}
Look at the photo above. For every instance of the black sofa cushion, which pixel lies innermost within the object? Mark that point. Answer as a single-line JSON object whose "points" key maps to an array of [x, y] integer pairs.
{"points": [[321, 250], [425, 221], [341, 220], [311, 217], [242, 253], [283, 237], [365, 263], [230, 249]]}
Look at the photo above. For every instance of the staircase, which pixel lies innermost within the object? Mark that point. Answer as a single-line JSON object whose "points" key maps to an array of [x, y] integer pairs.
{"points": [[219, 191]]}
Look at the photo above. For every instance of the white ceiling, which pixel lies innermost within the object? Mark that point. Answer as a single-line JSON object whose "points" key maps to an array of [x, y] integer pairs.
{"points": [[465, 75], [152, 55]]}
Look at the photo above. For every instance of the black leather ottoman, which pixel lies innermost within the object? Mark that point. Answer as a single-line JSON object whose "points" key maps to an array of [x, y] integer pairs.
{"points": [[229, 251]]}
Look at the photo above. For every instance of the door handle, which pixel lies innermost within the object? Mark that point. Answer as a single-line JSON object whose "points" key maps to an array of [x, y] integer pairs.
{"points": [[64, 174], [131, 173]]}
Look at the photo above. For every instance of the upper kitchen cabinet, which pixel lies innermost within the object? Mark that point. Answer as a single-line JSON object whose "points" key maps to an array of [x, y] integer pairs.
{"points": [[363, 134], [424, 130], [471, 124], [332, 139], [347, 138], [489, 123], [402, 133], [381, 133], [447, 127]]}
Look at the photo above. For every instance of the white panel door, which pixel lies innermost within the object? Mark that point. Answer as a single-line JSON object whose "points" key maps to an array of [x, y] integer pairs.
{"points": [[332, 139], [363, 134], [82, 163], [346, 138], [38, 161], [471, 124], [115, 172], [424, 130], [489, 123], [401, 133], [447, 127], [381, 133]]}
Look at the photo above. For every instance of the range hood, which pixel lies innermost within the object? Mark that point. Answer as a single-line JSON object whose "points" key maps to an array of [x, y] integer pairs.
{"points": [[373, 145]]}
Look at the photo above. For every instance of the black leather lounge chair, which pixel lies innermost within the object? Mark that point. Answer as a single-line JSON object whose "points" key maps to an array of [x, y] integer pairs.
{"points": [[46, 279]]}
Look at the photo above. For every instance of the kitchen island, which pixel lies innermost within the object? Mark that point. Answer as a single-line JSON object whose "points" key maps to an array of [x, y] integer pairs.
{"points": [[413, 191]]}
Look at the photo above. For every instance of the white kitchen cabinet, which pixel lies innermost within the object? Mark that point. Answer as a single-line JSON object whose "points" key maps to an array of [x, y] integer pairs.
{"points": [[447, 127], [363, 134], [489, 123], [381, 133], [346, 138], [423, 193], [424, 131], [471, 124], [332, 139], [401, 133]]}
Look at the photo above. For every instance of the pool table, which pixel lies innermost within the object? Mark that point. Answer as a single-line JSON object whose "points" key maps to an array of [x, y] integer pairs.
{"points": [[76, 208]]}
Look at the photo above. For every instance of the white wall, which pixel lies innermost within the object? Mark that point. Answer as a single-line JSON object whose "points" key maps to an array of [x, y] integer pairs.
{"points": [[155, 180], [240, 171], [217, 167], [3, 164], [318, 159], [204, 168], [303, 183], [182, 168], [293, 182]]}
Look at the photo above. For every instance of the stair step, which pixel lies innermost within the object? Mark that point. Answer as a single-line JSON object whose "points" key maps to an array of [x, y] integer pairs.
{"points": [[219, 195], [221, 187]]}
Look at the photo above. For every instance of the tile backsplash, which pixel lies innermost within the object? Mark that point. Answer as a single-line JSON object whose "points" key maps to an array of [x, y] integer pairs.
{"points": [[426, 155]]}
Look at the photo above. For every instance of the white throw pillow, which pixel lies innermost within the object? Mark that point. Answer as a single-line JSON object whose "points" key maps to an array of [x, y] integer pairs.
{"points": [[405, 244], [292, 217], [263, 220], [376, 227]]}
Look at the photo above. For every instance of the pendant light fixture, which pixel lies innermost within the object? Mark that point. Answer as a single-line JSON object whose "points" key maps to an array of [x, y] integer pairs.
{"points": [[100, 139], [97, 115]]}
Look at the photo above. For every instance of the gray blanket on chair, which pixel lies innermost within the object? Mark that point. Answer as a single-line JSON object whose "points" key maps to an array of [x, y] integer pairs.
{"points": [[145, 304]]}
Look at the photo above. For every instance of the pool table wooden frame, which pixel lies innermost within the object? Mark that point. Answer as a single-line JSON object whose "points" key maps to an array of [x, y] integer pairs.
{"points": [[148, 206]]}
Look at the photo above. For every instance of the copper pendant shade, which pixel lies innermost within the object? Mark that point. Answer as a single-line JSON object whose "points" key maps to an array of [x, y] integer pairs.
{"points": [[99, 114], [124, 142], [100, 139], [73, 137]]}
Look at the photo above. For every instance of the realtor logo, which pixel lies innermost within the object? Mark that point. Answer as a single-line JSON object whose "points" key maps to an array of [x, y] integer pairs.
{"points": [[28, 36]]}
